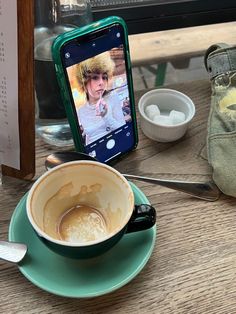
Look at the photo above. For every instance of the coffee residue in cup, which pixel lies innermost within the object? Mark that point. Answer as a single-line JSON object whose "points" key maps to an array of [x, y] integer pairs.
{"points": [[82, 224]]}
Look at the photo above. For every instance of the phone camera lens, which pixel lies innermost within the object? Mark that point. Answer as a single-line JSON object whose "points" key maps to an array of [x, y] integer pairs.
{"points": [[93, 44]]}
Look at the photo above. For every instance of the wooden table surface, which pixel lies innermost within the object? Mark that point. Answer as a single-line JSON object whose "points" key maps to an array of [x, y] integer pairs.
{"points": [[193, 265]]}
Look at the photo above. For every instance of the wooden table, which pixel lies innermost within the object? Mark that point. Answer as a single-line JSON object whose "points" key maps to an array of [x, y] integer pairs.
{"points": [[193, 265]]}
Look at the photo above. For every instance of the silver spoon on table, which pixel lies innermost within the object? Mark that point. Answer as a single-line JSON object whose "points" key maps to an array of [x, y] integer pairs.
{"points": [[204, 190], [12, 251]]}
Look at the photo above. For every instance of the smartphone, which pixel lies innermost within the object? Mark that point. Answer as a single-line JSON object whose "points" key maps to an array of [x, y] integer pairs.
{"points": [[93, 69]]}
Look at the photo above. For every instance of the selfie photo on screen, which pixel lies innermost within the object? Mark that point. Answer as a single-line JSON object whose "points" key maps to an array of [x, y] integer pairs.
{"points": [[100, 92]]}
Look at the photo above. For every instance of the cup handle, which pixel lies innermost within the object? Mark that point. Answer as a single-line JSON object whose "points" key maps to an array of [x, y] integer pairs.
{"points": [[143, 217]]}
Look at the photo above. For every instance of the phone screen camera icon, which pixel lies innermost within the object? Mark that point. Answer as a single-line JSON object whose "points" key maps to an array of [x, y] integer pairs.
{"points": [[67, 55]]}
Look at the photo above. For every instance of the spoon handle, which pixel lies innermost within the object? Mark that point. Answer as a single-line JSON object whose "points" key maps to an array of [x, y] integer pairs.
{"points": [[12, 251], [204, 190]]}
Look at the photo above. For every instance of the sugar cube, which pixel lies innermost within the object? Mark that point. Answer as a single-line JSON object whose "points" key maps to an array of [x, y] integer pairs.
{"points": [[162, 120], [177, 116], [151, 111]]}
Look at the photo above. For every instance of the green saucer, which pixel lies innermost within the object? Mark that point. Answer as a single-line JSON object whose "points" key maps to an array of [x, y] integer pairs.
{"points": [[81, 278]]}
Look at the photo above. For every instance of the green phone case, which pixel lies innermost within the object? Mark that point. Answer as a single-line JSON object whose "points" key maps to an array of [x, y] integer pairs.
{"points": [[56, 54]]}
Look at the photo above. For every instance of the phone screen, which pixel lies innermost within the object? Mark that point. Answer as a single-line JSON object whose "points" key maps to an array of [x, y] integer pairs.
{"points": [[96, 70]]}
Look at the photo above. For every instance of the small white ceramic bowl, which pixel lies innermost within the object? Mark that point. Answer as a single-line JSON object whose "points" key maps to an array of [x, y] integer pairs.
{"points": [[167, 100]]}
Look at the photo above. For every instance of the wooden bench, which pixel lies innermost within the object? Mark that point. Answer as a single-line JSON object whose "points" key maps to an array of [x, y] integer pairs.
{"points": [[177, 46]]}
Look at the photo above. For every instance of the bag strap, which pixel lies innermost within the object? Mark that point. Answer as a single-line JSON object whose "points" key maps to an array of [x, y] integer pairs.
{"points": [[219, 59]]}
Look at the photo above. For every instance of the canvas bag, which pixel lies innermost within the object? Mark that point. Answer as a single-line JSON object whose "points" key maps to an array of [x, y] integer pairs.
{"points": [[220, 62]]}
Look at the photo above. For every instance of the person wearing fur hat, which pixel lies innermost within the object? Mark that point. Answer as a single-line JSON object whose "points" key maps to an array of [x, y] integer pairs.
{"points": [[102, 113]]}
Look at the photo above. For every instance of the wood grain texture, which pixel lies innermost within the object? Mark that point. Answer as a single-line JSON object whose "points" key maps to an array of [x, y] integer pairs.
{"points": [[193, 266], [172, 45], [26, 109]]}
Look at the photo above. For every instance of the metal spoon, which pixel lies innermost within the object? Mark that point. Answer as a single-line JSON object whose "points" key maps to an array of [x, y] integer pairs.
{"points": [[204, 190], [12, 251]]}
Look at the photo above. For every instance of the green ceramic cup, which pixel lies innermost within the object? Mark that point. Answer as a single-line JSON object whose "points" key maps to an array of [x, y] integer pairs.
{"points": [[83, 208]]}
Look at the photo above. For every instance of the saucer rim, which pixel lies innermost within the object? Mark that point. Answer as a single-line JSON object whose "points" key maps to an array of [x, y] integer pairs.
{"points": [[114, 287]]}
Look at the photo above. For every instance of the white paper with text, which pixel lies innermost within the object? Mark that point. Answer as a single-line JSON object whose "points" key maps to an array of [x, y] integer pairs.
{"points": [[9, 124]]}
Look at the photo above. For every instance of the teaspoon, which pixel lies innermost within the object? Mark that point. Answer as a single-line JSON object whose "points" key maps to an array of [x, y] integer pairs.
{"points": [[204, 190], [12, 251]]}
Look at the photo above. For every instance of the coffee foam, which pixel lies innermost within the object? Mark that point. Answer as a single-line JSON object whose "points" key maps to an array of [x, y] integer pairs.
{"points": [[82, 224], [99, 219]]}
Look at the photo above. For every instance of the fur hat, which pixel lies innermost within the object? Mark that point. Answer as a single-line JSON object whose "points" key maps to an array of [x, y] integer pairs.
{"points": [[101, 63]]}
